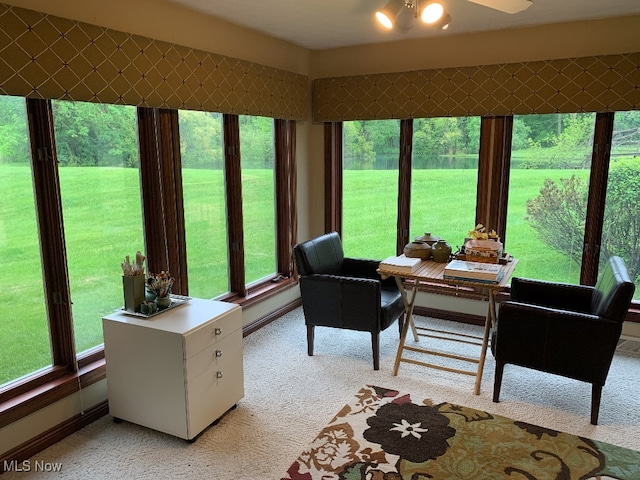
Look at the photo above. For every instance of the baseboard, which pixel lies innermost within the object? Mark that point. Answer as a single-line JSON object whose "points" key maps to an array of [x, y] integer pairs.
{"points": [[449, 315], [270, 317], [53, 435]]}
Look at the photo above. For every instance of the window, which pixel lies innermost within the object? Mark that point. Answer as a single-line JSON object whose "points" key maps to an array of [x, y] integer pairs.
{"points": [[24, 333], [548, 193], [444, 177], [205, 213], [370, 187], [71, 215], [100, 187], [539, 180], [621, 228], [258, 196]]}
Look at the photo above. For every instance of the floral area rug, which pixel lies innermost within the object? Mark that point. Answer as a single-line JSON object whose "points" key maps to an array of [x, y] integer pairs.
{"points": [[386, 435]]}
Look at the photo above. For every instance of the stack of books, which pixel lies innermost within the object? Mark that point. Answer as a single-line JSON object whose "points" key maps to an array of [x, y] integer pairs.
{"points": [[474, 271], [400, 264]]}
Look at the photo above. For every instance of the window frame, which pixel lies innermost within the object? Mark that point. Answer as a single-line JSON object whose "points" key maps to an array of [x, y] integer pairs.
{"points": [[161, 181], [492, 188]]}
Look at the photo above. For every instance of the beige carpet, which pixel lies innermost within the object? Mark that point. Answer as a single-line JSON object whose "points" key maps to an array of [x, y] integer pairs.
{"points": [[290, 397]]}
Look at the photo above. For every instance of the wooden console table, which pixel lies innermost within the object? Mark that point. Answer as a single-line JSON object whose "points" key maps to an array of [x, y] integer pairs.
{"points": [[432, 272]]}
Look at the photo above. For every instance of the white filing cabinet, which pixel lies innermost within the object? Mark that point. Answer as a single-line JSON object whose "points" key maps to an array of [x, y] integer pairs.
{"points": [[177, 372]]}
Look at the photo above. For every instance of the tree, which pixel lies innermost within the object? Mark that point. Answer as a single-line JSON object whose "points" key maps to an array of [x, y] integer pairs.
{"points": [[358, 149], [558, 215], [95, 134], [14, 136], [555, 140], [201, 139], [621, 232]]}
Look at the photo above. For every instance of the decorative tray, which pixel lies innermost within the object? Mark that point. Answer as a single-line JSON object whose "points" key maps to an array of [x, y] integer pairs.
{"points": [[176, 301]]}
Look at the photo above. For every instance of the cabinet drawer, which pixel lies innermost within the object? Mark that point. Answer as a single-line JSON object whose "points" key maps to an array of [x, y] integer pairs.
{"points": [[214, 392], [212, 332], [215, 356]]}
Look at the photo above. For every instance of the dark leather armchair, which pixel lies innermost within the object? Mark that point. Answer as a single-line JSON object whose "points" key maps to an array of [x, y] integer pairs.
{"points": [[345, 292], [568, 330]]}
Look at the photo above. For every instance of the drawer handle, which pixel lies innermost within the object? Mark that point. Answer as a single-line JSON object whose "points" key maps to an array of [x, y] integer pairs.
{"points": [[218, 353], [218, 331], [219, 374]]}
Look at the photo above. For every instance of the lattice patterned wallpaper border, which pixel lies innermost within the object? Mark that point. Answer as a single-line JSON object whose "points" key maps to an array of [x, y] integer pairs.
{"points": [[45, 56], [585, 84]]}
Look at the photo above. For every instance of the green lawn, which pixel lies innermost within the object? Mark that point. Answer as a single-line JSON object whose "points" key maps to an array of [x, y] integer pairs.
{"points": [[103, 224], [443, 202]]}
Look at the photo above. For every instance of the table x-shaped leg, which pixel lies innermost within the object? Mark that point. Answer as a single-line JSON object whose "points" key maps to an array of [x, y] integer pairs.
{"points": [[488, 324], [408, 322]]}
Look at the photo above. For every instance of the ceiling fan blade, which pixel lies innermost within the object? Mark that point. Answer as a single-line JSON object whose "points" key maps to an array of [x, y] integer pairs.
{"points": [[506, 6]]}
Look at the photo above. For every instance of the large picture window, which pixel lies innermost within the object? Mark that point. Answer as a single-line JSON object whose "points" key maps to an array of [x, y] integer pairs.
{"points": [[548, 192], [100, 187], [621, 226], [444, 177], [370, 189], [73, 210], [205, 213], [560, 189], [258, 196], [22, 305]]}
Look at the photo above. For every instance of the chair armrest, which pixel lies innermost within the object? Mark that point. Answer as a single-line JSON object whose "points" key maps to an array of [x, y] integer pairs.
{"points": [[563, 296], [360, 267], [573, 344], [518, 315], [366, 268]]}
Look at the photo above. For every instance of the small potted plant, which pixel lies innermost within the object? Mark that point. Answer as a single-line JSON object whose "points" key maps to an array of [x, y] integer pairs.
{"points": [[160, 285], [483, 246]]}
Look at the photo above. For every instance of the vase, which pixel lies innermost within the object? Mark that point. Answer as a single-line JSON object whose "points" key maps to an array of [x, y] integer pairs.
{"points": [[427, 238], [441, 251], [133, 286], [149, 295], [421, 250], [163, 302]]}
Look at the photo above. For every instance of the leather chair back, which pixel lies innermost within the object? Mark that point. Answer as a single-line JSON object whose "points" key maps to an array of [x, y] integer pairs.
{"points": [[613, 292], [322, 255]]}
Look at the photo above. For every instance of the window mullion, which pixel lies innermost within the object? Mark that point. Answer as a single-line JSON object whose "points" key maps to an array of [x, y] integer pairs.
{"points": [[597, 194], [151, 185], [233, 185], [48, 201], [404, 183], [333, 139], [173, 204], [493, 172], [286, 208]]}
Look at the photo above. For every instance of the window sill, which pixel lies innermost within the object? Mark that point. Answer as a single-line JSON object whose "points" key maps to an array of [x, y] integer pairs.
{"points": [[23, 404], [260, 291]]}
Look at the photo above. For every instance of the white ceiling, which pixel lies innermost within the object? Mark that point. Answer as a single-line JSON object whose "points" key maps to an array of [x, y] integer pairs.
{"points": [[321, 24]]}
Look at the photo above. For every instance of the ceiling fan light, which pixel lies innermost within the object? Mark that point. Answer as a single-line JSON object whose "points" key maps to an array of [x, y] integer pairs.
{"points": [[432, 12], [443, 23], [387, 15], [506, 6], [405, 19], [384, 20]]}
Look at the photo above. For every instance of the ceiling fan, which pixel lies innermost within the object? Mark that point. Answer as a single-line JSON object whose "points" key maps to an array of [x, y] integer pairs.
{"points": [[506, 6], [400, 14]]}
